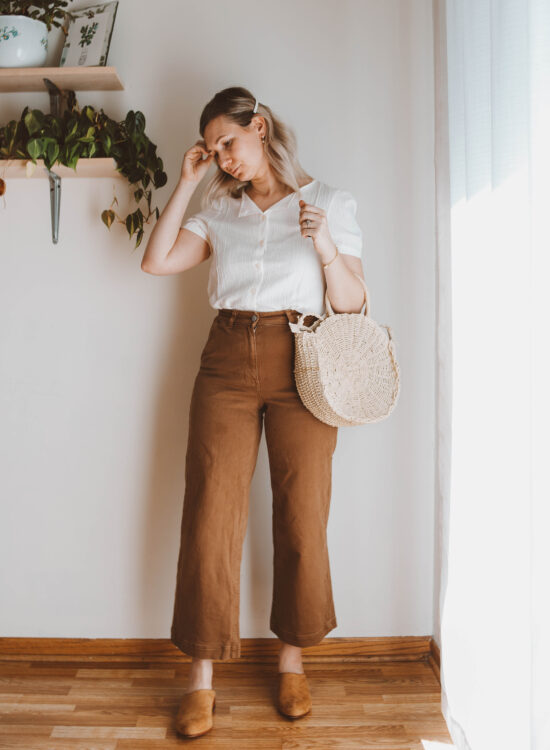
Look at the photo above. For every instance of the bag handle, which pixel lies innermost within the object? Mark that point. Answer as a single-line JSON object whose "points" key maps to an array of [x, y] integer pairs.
{"points": [[300, 326], [330, 311]]}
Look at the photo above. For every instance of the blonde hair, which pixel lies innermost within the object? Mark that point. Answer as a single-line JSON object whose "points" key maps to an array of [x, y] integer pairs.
{"points": [[237, 104]]}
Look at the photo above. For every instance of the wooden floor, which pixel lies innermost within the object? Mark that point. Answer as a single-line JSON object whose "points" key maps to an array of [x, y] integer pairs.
{"points": [[117, 705]]}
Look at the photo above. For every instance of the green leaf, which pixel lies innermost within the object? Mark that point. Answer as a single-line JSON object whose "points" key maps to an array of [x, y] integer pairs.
{"points": [[106, 141], [34, 148], [33, 121], [52, 151], [130, 122], [160, 178], [130, 224], [139, 237], [107, 217], [72, 131], [140, 122]]}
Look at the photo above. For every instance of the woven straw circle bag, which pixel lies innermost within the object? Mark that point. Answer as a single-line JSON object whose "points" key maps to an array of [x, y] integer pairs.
{"points": [[345, 366]]}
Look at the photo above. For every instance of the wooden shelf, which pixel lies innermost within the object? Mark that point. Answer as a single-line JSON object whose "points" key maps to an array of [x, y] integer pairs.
{"points": [[79, 78], [100, 167]]}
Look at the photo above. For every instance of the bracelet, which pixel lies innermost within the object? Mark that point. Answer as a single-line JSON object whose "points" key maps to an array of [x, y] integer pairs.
{"points": [[326, 265]]}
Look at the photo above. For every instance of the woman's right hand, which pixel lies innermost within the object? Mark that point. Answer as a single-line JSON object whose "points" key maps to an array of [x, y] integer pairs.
{"points": [[194, 167]]}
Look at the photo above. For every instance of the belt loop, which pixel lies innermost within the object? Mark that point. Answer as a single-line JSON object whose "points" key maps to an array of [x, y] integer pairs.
{"points": [[232, 318]]}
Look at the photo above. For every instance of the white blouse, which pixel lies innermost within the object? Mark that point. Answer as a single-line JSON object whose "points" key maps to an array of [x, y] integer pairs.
{"points": [[260, 261]]}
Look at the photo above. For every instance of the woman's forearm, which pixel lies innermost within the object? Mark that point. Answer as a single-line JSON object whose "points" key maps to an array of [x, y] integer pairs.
{"points": [[166, 229], [345, 291]]}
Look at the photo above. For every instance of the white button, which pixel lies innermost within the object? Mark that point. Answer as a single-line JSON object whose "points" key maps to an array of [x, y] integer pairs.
{"points": [[264, 217], [257, 265], [253, 289]]}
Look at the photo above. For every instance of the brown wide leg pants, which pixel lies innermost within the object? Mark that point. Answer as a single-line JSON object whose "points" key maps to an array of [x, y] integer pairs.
{"points": [[246, 379]]}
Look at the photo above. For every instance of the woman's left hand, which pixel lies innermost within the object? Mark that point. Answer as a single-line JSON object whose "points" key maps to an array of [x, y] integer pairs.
{"points": [[317, 229]]}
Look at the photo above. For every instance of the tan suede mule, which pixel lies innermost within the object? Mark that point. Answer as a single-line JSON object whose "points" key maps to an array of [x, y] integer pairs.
{"points": [[294, 699], [195, 712]]}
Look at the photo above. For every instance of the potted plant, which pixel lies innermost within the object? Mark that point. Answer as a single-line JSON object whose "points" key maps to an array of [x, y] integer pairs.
{"points": [[86, 133], [24, 27]]}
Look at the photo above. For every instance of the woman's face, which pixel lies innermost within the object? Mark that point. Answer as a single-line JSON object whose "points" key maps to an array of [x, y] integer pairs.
{"points": [[238, 151]]}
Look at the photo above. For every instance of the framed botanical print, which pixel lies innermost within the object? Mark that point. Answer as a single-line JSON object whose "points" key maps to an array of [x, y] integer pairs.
{"points": [[88, 36]]}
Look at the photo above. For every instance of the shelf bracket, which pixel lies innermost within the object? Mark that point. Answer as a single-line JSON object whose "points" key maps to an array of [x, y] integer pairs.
{"points": [[55, 202], [58, 102]]}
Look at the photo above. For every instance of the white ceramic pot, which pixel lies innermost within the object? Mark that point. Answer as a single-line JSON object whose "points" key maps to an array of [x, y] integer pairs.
{"points": [[23, 42]]}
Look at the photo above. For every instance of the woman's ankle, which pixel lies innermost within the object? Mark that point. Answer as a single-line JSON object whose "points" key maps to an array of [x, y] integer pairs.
{"points": [[200, 674], [290, 658]]}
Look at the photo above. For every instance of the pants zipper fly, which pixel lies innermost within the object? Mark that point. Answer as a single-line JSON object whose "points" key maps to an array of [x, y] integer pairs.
{"points": [[255, 352]]}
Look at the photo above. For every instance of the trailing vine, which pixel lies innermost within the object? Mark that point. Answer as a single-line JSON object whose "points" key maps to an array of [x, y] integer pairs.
{"points": [[87, 133]]}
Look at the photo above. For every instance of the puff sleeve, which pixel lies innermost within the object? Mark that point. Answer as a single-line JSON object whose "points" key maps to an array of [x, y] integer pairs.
{"points": [[342, 223], [198, 223]]}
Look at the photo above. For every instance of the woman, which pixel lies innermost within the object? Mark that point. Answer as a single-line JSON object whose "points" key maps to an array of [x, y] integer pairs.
{"points": [[274, 256]]}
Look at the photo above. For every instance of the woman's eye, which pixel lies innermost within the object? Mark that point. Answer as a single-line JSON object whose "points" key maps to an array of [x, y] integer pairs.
{"points": [[228, 142]]}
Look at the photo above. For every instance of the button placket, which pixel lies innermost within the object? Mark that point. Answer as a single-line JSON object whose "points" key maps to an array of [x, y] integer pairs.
{"points": [[263, 242]]}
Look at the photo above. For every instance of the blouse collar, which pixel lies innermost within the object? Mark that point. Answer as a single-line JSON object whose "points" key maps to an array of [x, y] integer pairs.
{"points": [[249, 207]]}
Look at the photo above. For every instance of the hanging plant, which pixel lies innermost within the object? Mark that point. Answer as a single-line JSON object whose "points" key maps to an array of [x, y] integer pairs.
{"points": [[87, 133]]}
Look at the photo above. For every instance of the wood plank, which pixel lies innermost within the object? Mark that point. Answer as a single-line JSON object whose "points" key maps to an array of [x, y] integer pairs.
{"points": [[18, 169], [70, 77]]}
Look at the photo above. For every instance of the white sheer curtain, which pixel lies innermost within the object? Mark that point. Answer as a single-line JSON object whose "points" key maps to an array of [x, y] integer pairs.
{"points": [[493, 440]]}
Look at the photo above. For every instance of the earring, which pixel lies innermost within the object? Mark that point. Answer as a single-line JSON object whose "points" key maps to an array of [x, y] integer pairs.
{"points": [[263, 138]]}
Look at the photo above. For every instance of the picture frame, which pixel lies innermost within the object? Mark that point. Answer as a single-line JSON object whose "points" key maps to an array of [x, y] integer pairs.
{"points": [[89, 32]]}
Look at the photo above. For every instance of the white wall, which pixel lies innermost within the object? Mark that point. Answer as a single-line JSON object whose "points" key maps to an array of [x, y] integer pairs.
{"points": [[98, 358]]}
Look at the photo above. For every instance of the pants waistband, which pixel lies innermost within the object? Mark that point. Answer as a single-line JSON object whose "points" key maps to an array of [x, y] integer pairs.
{"points": [[254, 316]]}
